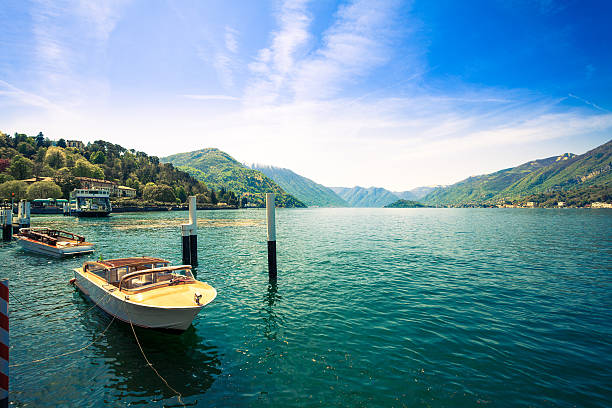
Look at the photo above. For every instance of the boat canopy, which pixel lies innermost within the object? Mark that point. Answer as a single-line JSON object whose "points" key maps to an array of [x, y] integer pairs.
{"points": [[156, 275]]}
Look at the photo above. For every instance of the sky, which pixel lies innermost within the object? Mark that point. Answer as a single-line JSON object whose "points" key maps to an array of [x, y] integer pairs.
{"points": [[386, 93]]}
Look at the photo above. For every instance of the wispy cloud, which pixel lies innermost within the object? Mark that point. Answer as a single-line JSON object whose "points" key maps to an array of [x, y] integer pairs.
{"points": [[22, 97], [63, 60], [588, 103], [211, 97], [274, 65], [225, 60]]}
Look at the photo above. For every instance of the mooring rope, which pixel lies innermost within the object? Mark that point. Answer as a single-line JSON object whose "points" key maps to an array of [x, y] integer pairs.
{"points": [[40, 360], [53, 314], [104, 300], [179, 396]]}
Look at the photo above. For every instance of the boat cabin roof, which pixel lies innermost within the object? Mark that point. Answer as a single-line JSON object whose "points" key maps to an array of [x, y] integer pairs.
{"points": [[120, 262]]}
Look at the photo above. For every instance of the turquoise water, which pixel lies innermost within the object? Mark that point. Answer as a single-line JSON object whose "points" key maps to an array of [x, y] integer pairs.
{"points": [[373, 307]]}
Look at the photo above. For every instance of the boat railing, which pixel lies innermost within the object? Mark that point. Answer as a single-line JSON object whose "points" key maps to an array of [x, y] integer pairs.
{"points": [[159, 276], [49, 236]]}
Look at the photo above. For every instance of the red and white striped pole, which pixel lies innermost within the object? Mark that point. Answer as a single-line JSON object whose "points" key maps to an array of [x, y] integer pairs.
{"points": [[4, 342]]}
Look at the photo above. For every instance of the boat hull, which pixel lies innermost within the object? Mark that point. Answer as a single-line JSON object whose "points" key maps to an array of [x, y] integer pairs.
{"points": [[81, 213], [114, 303], [59, 252]]}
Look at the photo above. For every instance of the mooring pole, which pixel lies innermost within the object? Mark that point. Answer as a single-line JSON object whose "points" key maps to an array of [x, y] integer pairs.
{"points": [[7, 225], [4, 343], [270, 216], [23, 215], [190, 235]]}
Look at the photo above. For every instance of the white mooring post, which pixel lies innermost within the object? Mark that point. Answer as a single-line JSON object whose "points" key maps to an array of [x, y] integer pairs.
{"points": [[7, 225], [190, 235], [23, 215], [270, 216], [4, 343]]}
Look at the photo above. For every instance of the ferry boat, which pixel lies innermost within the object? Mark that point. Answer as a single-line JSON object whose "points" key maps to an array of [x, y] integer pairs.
{"points": [[90, 203], [145, 292], [53, 242]]}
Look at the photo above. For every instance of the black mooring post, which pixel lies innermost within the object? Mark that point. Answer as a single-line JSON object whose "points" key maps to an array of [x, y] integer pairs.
{"points": [[193, 250], [190, 236], [7, 225], [186, 250], [272, 261], [270, 216]]}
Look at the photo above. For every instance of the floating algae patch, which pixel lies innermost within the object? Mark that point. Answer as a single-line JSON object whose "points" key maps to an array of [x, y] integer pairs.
{"points": [[202, 223]]}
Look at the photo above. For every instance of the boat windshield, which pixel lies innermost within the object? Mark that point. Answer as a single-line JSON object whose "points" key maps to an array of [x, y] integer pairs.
{"points": [[157, 278]]}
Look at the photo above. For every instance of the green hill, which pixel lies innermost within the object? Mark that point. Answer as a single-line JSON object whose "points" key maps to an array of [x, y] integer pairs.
{"points": [[565, 172], [24, 157], [365, 197], [306, 190], [220, 170], [406, 204]]}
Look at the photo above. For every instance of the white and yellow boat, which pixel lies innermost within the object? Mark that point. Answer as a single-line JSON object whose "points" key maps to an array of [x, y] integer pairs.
{"points": [[146, 292], [53, 242]]}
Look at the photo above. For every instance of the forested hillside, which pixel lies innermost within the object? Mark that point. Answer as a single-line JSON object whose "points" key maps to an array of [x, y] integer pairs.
{"points": [[220, 170], [23, 157]]}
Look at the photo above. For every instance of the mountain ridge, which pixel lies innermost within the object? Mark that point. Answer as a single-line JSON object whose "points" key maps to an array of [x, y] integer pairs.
{"points": [[309, 192], [219, 169]]}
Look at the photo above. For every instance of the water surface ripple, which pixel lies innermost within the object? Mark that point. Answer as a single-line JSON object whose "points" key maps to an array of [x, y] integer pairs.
{"points": [[374, 307]]}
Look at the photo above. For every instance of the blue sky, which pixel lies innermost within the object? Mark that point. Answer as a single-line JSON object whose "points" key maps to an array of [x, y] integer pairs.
{"points": [[386, 93]]}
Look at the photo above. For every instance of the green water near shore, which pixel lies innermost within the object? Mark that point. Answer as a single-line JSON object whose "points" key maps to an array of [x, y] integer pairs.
{"points": [[373, 307]]}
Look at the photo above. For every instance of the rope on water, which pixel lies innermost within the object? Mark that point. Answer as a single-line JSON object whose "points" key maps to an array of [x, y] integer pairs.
{"points": [[40, 360], [53, 314], [179, 397]]}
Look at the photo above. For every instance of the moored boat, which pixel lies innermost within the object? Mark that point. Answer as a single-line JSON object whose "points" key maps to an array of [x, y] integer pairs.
{"points": [[90, 203], [146, 292], [53, 242]]}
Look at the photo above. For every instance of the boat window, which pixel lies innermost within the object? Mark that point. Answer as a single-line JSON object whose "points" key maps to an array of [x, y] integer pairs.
{"points": [[98, 270], [118, 273], [160, 265], [157, 278]]}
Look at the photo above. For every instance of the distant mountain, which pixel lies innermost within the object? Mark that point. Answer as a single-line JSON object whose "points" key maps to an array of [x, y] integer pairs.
{"points": [[406, 204], [307, 191], [365, 197], [405, 195], [421, 192], [564, 172], [218, 169]]}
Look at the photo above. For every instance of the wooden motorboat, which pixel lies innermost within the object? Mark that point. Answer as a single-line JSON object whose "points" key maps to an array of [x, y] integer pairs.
{"points": [[146, 292], [53, 242]]}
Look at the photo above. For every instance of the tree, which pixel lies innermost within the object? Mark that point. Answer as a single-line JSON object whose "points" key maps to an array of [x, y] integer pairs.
{"points": [[181, 194], [4, 164], [40, 140], [213, 197], [83, 168], [18, 187], [61, 143], [162, 192], [66, 180], [43, 189], [26, 148], [21, 168], [98, 157], [55, 157]]}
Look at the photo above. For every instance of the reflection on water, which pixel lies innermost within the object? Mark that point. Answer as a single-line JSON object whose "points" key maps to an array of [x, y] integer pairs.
{"points": [[124, 363], [270, 316]]}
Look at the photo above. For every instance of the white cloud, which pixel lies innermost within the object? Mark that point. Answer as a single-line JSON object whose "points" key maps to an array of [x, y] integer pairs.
{"points": [[211, 97]]}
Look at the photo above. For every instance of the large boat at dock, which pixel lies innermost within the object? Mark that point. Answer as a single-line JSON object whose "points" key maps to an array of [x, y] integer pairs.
{"points": [[146, 292], [90, 203], [53, 242]]}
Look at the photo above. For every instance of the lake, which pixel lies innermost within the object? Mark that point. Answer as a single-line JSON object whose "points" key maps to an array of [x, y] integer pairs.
{"points": [[373, 307]]}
